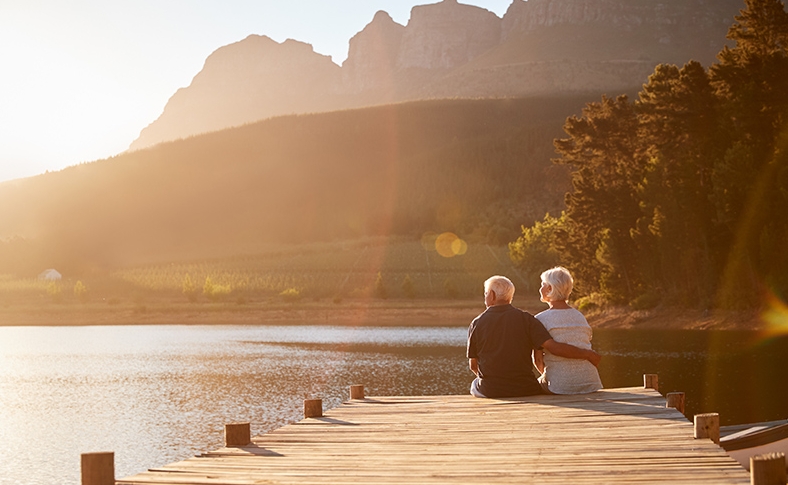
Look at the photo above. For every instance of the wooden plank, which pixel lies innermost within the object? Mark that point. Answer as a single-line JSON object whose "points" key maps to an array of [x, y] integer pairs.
{"points": [[612, 436]]}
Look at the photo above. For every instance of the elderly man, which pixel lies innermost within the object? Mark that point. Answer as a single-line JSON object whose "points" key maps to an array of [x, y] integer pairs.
{"points": [[501, 341]]}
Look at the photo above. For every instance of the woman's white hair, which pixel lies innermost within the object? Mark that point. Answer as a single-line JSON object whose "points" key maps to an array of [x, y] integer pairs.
{"points": [[502, 286], [560, 281]]}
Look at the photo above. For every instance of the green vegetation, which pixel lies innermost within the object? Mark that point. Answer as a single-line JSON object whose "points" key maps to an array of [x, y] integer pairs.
{"points": [[341, 271], [680, 196], [80, 291]]}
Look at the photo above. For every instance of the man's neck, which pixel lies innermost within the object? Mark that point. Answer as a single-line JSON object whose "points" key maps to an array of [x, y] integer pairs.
{"points": [[500, 303]]}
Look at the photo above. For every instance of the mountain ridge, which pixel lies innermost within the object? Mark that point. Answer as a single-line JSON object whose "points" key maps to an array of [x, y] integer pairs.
{"points": [[450, 49]]}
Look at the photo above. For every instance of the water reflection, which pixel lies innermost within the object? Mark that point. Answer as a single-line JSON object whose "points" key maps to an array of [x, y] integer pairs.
{"points": [[156, 395], [736, 374], [159, 394]]}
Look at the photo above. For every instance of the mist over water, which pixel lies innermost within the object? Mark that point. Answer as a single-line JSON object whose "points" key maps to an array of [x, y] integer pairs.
{"points": [[159, 394]]}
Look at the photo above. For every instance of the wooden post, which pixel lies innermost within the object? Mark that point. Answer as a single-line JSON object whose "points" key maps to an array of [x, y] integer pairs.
{"points": [[356, 392], [675, 400], [237, 434], [98, 468], [651, 381], [708, 426], [768, 469], [313, 408]]}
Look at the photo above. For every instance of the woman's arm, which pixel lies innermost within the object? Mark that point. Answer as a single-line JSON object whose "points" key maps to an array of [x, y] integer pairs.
{"points": [[538, 358]]}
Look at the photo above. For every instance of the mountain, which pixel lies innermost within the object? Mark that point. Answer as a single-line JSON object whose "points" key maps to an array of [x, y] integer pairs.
{"points": [[479, 168], [247, 81], [449, 50]]}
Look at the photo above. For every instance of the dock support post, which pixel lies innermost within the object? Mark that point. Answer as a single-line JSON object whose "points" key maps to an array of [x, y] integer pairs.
{"points": [[675, 400], [768, 469], [98, 468], [651, 381], [356, 392], [313, 408], [707, 426], [237, 434]]}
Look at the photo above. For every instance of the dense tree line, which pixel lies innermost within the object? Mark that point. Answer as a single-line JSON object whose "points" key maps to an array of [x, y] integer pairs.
{"points": [[681, 195]]}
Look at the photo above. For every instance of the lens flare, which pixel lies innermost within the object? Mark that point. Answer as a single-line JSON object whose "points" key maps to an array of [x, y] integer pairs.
{"points": [[449, 245], [775, 316]]}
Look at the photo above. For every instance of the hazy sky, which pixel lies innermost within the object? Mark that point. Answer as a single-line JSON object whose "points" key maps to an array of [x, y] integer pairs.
{"points": [[79, 79]]}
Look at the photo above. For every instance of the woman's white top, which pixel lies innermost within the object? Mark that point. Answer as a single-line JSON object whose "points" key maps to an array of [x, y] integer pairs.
{"points": [[562, 375]]}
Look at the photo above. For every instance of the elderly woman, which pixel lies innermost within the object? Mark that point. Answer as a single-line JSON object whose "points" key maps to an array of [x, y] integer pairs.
{"points": [[566, 325]]}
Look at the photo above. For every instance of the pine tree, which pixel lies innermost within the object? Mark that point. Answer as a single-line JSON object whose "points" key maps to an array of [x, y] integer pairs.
{"points": [[751, 78], [380, 287], [603, 150], [678, 113]]}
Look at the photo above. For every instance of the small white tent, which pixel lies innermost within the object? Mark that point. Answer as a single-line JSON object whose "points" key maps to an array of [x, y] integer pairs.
{"points": [[50, 275]]}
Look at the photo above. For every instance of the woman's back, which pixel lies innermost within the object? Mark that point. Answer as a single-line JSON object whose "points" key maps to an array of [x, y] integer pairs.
{"points": [[562, 375]]}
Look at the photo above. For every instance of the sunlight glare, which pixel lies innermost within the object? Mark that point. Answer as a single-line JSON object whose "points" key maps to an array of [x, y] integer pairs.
{"points": [[449, 245], [775, 316]]}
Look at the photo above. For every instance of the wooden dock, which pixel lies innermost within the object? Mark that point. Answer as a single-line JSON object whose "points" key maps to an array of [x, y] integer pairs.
{"points": [[613, 436]]}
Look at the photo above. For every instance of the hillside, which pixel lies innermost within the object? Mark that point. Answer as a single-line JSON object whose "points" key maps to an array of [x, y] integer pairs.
{"points": [[478, 168], [447, 50]]}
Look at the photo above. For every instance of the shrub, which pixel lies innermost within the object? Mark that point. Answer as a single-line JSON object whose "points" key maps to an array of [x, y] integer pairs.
{"points": [[55, 292], [81, 291], [590, 302], [213, 291], [290, 295], [646, 301]]}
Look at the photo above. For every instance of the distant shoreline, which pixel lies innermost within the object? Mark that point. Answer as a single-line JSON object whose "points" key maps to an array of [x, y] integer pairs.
{"points": [[390, 313]]}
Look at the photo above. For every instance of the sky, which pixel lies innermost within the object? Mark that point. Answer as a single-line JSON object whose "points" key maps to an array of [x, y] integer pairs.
{"points": [[80, 79]]}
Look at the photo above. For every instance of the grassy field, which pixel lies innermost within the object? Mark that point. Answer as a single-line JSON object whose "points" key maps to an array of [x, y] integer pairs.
{"points": [[383, 279]]}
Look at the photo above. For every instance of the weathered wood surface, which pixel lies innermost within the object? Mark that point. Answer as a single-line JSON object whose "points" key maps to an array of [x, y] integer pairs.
{"points": [[612, 436]]}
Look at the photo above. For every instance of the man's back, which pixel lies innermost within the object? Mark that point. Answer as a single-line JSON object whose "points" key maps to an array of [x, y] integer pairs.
{"points": [[502, 339]]}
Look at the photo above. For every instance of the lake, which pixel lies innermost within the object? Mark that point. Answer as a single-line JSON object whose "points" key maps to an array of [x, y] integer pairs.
{"points": [[159, 394]]}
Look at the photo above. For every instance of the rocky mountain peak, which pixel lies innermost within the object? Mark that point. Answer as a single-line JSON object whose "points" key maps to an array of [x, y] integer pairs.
{"points": [[246, 81], [372, 55], [447, 34], [450, 49]]}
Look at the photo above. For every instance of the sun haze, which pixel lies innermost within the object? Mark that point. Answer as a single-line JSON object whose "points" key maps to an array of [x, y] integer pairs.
{"points": [[81, 79]]}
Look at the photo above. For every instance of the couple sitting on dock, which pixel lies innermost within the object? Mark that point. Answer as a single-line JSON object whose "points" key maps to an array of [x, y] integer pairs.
{"points": [[504, 343]]}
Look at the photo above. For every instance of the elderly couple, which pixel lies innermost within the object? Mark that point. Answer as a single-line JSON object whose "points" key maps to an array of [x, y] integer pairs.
{"points": [[504, 341]]}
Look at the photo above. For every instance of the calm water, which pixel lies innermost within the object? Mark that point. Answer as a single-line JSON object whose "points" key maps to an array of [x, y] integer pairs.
{"points": [[155, 395]]}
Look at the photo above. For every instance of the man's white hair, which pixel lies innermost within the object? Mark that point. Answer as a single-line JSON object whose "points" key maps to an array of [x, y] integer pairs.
{"points": [[502, 286]]}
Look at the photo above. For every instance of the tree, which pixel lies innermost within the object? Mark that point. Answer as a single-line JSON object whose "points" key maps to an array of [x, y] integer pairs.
{"points": [[81, 291], [55, 292], [207, 288], [607, 165], [380, 287], [678, 113], [751, 79], [188, 288], [536, 250], [407, 287]]}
